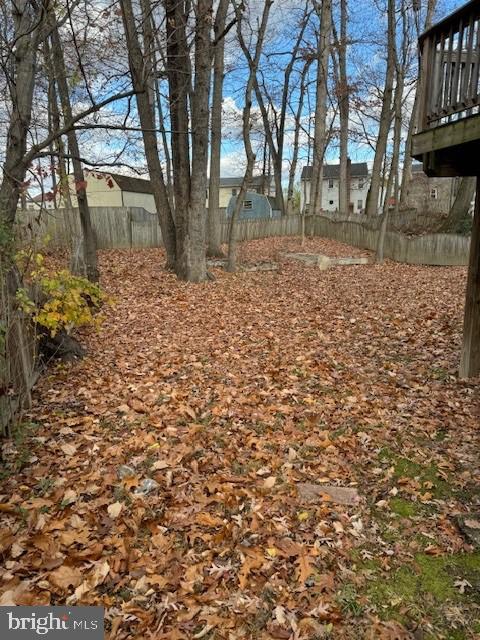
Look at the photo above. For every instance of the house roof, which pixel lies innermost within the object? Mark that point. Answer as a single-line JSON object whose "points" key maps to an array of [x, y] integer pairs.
{"points": [[128, 183], [357, 170], [237, 181]]}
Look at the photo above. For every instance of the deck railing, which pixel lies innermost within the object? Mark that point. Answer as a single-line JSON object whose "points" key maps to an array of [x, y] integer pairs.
{"points": [[450, 68]]}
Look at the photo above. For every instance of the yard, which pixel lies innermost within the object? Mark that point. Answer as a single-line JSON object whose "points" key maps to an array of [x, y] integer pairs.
{"points": [[229, 395]]}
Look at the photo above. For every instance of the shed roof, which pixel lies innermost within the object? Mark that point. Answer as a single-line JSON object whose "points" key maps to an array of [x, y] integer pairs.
{"points": [[357, 170]]}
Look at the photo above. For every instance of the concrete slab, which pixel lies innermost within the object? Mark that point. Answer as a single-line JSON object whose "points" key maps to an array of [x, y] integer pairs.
{"points": [[324, 262]]}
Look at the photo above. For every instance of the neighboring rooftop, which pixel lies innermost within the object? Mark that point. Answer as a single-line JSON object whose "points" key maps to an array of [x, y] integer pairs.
{"points": [[256, 181], [357, 170], [127, 183]]}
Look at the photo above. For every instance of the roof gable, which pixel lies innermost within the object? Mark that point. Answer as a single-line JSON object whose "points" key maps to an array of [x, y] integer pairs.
{"points": [[131, 184], [236, 181], [357, 170]]}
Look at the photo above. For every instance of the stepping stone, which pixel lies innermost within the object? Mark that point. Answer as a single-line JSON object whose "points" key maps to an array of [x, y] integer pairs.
{"points": [[469, 525], [324, 262], [315, 493], [262, 266]]}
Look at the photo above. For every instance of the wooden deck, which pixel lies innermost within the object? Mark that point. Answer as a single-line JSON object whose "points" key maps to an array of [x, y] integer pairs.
{"points": [[448, 136]]}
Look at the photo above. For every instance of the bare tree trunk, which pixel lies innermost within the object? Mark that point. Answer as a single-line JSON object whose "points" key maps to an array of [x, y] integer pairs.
{"points": [[470, 360], [344, 108], [214, 228], [195, 268], [166, 149], [320, 133], [21, 85], [253, 67], [298, 115], [393, 174], [140, 80], [189, 184], [371, 207], [460, 209], [84, 257], [62, 186], [16, 381], [179, 84], [276, 147]]}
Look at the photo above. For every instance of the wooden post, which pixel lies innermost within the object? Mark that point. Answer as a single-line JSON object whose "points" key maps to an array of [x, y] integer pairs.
{"points": [[470, 362]]}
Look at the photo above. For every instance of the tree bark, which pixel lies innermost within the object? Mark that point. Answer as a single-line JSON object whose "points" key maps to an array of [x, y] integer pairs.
{"points": [[460, 209], [321, 107], [470, 360], [28, 33], [140, 80], [246, 124], [276, 143], [371, 207], [214, 228], [178, 86], [194, 267], [344, 111], [296, 137], [85, 263], [62, 190]]}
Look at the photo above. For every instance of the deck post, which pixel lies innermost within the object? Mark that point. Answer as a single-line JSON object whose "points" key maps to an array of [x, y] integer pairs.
{"points": [[470, 362]]}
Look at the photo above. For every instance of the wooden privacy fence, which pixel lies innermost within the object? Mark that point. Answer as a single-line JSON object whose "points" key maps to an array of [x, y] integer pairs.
{"points": [[432, 249], [17, 353], [132, 227], [119, 227]]}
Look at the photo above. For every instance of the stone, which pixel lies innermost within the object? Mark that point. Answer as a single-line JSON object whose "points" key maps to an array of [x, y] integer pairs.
{"points": [[314, 493], [126, 472], [469, 525], [148, 485]]}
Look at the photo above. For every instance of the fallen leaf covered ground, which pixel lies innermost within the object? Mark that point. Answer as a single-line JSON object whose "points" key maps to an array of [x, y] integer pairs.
{"points": [[159, 477]]}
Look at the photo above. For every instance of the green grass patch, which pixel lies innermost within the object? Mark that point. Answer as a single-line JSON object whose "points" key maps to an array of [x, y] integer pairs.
{"points": [[406, 508], [425, 590], [425, 474]]}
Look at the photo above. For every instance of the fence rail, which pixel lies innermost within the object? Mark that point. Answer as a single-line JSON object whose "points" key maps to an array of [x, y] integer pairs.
{"points": [[450, 61], [118, 227]]}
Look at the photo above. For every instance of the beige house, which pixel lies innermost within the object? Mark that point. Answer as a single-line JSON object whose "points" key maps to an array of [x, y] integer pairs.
{"points": [[103, 190], [115, 190]]}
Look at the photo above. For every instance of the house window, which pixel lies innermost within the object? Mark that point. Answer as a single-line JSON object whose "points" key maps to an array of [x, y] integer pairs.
{"points": [[359, 204], [247, 204], [234, 192], [330, 202], [330, 184], [434, 194]]}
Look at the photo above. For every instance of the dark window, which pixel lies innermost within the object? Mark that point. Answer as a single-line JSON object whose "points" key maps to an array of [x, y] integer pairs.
{"points": [[433, 194], [247, 204], [359, 204], [330, 202], [234, 192], [330, 184]]}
